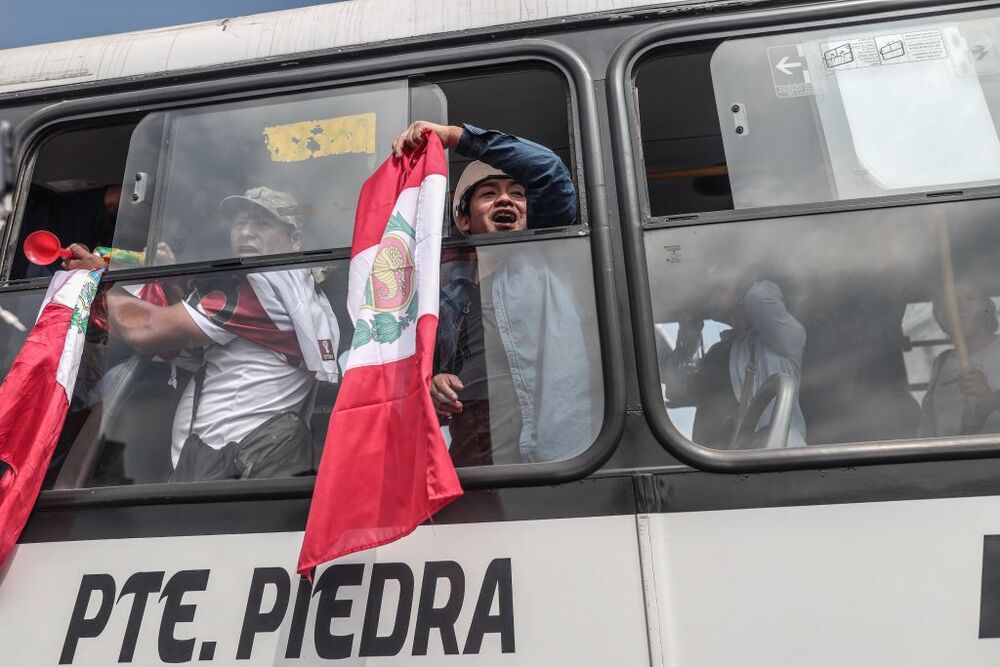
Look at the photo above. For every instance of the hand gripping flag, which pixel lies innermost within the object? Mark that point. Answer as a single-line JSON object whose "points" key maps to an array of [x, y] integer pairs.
{"points": [[385, 467], [35, 396]]}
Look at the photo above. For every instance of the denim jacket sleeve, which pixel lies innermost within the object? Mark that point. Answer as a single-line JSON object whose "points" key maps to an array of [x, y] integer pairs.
{"points": [[551, 194], [456, 300]]}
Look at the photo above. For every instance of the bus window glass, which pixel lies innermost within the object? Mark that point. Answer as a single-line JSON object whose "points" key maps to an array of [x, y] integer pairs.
{"points": [[18, 311], [314, 150], [518, 330], [239, 394], [851, 307], [883, 109], [834, 114], [525, 344]]}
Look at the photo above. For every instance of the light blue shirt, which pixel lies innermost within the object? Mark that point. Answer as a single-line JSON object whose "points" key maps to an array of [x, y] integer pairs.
{"points": [[774, 342]]}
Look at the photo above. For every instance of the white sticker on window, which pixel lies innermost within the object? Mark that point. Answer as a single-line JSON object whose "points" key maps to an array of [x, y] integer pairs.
{"points": [[904, 128], [891, 49]]}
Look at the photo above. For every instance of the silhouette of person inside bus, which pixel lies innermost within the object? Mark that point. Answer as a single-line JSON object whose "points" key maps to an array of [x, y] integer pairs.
{"points": [[957, 402], [86, 217], [502, 319], [264, 339], [764, 339]]}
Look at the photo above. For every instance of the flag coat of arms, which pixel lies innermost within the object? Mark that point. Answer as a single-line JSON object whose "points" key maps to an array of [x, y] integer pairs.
{"points": [[35, 396], [385, 467]]}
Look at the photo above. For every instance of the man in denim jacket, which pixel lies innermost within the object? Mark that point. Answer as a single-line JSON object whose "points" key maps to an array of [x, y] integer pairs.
{"points": [[512, 369]]}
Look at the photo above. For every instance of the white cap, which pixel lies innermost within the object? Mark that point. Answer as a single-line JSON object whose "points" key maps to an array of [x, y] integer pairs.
{"points": [[474, 174]]}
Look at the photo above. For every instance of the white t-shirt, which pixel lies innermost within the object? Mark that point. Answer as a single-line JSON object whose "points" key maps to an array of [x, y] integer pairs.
{"points": [[255, 369], [245, 385]]}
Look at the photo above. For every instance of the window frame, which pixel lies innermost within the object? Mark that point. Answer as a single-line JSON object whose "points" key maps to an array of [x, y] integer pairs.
{"points": [[626, 139], [587, 168]]}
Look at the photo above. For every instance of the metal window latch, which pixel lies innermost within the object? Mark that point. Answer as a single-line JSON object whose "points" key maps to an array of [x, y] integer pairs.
{"points": [[139, 190], [740, 123]]}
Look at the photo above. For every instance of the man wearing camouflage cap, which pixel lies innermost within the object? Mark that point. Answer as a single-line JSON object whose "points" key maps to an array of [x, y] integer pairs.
{"points": [[263, 222], [265, 339]]}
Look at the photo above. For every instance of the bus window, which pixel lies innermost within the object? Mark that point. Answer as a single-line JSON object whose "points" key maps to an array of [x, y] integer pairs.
{"points": [[138, 419], [834, 114], [74, 193], [516, 372], [838, 326], [318, 148], [517, 327], [156, 411], [851, 306], [314, 148]]}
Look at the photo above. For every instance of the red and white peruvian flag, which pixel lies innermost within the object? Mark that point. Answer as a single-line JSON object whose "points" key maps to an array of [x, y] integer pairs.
{"points": [[385, 467], [35, 396]]}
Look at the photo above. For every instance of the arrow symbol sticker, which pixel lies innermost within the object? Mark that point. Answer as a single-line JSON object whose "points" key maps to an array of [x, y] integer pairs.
{"points": [[786, 67], [790, 71]]}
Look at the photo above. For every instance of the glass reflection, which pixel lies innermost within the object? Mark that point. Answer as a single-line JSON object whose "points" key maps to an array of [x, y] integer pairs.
{"points": [[18, 311], [218, 376], [854, 307], [318, 148], [876, 109], [532, 372], [761, 339], [518, 328]]}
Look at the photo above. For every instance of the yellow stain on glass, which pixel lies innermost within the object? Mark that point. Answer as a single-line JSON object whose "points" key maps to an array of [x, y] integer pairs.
{"points": [[309, 139]]}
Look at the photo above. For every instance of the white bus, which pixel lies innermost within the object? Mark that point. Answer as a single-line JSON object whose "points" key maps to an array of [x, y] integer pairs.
{"points": [[784, 222]]}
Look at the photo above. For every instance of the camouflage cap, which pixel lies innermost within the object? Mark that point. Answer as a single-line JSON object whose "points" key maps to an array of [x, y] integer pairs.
{"points": [[279, 205]]}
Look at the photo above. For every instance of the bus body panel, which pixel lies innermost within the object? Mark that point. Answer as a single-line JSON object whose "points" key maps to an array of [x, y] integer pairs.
{"points": [[893, 583], [648, 562], [562, 591], [275, 35]]}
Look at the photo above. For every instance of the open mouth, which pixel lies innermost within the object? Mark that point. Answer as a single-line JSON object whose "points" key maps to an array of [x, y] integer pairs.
{"points": [[248, 250], [505, 217]]}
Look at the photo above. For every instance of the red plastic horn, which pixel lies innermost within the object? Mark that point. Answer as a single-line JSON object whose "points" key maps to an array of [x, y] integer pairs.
{"points": [[43, 248]]}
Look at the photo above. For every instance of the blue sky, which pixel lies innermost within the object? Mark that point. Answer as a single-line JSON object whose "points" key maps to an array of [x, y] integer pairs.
{"points": [[27, 22]]}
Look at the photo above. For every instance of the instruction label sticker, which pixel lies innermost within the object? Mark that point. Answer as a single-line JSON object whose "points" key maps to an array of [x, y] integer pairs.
{"points": [[892, 49], [790, 71]]}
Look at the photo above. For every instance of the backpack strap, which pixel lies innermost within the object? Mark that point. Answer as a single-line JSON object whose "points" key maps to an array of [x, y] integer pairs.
{"points": [[199, 383]]}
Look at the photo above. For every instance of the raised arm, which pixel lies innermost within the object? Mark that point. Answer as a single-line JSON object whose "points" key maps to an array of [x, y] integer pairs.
{"points": [[151, 329], [551, 194]]}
